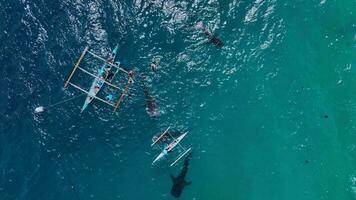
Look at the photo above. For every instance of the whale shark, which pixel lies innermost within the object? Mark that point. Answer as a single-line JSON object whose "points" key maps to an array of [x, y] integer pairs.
{"points": [[179, 182], [151, 104]]}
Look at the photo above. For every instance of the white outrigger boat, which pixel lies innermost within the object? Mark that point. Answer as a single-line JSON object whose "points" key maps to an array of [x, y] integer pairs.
{"points": [[170, 146], [101, 78]]}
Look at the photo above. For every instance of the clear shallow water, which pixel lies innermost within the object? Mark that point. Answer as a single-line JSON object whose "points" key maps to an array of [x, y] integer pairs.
{"points": [[255, 108]]}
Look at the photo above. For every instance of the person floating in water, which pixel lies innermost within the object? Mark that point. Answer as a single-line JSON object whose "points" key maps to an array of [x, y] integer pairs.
{"points": [[212, 39], [154, 64]]}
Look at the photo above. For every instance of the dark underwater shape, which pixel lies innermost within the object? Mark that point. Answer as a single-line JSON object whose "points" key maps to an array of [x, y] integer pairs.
{"points": [[212, 39], [151, 105], [179, 182]]}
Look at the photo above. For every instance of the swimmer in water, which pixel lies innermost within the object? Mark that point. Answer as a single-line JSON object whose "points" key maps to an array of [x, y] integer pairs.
{"points": [[154, 64]]}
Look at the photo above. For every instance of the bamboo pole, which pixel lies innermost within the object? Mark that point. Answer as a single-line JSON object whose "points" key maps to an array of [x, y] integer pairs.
{"points": [[76, 66]]}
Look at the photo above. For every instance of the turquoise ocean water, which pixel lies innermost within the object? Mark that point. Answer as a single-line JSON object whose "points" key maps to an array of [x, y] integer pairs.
{"points": [[271, 115]]}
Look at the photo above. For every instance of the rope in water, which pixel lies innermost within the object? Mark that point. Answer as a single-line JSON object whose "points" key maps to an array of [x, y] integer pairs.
{"points": [[42, 108], [63, 101]]}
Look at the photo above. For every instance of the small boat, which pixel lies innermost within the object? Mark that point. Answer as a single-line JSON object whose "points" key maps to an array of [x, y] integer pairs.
{"points": [[169, 147], [99, 81]]}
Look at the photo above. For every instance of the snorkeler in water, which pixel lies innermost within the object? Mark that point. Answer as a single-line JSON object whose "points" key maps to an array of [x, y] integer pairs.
{"points": [[154, 64]]}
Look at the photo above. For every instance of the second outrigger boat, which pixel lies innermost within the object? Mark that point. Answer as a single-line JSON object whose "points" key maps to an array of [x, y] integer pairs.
{"points": [[168, 147], [101, 78]]}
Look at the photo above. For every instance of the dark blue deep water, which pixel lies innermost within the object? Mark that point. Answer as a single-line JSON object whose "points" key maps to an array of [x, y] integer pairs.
{"points": [[271, 114]]}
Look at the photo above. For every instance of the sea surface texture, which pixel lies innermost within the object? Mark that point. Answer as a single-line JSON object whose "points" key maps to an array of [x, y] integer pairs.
{"points": [[271, 114]]}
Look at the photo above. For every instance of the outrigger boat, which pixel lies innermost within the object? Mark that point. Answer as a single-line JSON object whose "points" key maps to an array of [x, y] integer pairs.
{"points": [[169, 146], [99, 81], [101, 78]]}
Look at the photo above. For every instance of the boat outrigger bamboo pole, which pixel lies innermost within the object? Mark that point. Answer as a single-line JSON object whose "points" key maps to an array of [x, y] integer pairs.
{"points": [[180, 157], [76, 66], [161, 136]]}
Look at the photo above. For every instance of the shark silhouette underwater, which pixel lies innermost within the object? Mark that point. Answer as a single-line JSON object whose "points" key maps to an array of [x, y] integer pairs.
{"points": [[179, 182], [151, 104]]}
